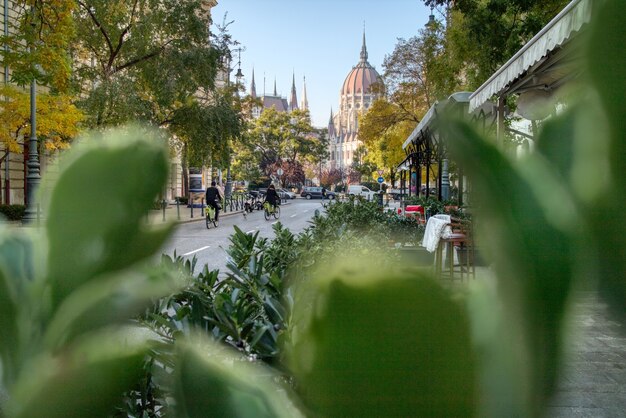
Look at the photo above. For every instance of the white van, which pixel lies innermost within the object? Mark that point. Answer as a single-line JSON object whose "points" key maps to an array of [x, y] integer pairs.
{"points": [[358, 190]]}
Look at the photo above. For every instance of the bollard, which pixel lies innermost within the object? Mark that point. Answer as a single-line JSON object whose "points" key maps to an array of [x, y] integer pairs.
{"points": [[178, 209], [202, 207], [191, 201], [38, 214], [163, 203]]}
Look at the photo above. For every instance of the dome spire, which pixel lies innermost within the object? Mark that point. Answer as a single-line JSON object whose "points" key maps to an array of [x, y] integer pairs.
{"points": [[364, 47]]}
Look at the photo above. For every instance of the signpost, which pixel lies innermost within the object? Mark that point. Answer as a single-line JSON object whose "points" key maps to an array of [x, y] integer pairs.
{"points": [[380, 180]]}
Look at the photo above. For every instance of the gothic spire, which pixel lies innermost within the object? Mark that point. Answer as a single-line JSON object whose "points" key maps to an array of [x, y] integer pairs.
{"points": [[293, 103], [364, 48], [275, 93], [305, 100], [253, 86]]}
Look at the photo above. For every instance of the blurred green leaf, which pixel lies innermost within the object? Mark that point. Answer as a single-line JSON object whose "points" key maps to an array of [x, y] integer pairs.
{"points": [[534, 253], [96, 209], [86, 380], [606, 60], [366, 343], [211, 381], [16, 273], [106, 302]]}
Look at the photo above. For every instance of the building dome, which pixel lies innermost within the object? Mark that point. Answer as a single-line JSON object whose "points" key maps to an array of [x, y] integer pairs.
{"points": [[362, 76]]}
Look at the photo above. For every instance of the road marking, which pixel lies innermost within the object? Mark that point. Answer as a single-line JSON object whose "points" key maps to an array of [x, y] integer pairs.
{"points": [[293, 216], [196, 251], [306, 210], [250, 232], [274, 223]]}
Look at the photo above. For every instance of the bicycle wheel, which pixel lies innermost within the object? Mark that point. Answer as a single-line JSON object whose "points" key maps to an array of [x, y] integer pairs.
{"points": [[276, 212], [208, 220], [267, 214], [215, 223]]}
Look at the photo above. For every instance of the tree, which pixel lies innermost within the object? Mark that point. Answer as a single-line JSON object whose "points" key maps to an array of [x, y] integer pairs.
{"points": [[57, 118], [37, 46], [282, 138], [156, 61], [489, 32]]}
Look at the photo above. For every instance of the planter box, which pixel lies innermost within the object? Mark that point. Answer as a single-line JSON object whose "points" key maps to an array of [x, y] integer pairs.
{"points": [[416, 256], [462, 254]]}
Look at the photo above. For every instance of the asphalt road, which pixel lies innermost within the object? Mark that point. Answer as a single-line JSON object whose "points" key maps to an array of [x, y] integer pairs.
{"points": [[209, 245]]}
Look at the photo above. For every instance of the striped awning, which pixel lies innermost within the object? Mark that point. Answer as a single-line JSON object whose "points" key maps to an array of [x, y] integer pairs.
{"points": [[555, 34]]}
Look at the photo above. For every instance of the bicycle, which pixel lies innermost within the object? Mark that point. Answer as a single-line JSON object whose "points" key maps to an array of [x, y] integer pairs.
{"points": [[209, 214], [269, 211]]}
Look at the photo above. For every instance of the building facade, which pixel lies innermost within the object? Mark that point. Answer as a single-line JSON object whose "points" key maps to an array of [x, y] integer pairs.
{"points": [[355, 97]]}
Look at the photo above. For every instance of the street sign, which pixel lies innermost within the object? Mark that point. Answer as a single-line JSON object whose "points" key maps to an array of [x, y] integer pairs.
{"points": [[381, 180], [380, 172], [280, 171]]}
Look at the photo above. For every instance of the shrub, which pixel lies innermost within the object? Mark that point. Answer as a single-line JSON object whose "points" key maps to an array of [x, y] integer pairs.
{"points": [[13, 212]]}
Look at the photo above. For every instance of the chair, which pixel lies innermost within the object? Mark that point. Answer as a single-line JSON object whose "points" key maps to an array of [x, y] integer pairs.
{"points": [[460, 238], [415, 211]]}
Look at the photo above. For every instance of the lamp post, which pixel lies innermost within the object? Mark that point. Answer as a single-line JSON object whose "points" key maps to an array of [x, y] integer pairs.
{"points": [[238, 76], [34, 177]]}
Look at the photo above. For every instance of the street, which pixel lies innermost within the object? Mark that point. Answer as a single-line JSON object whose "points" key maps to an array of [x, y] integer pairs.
{"points": [[209, 245]]}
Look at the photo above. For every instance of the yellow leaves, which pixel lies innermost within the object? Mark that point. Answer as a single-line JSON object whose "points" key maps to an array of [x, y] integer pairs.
{"points": [[57, 119]]}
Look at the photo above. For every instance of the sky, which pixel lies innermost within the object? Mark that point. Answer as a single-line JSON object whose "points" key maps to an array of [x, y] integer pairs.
{"points": [[319, 39]]}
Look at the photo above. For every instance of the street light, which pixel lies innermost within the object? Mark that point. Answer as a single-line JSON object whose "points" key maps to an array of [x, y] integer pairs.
{"points": [[33, 177], [238, 77]]}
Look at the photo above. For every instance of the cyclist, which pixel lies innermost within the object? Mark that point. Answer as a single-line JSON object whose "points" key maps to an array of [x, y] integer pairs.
{"points": [[213, 197], [271, 196]]}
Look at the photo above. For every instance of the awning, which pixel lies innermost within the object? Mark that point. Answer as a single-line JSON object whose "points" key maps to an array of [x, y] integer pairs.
{"points": [[556, 33], [420, 126], [428, 119]]}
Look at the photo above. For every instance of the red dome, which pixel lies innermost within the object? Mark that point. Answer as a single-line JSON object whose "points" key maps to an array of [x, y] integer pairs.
{"points": [[360, 79]]}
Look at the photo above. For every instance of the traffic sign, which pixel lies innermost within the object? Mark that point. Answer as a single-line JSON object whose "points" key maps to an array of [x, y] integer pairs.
{"points": [[380, 172], [280, 171], [381, 180]]}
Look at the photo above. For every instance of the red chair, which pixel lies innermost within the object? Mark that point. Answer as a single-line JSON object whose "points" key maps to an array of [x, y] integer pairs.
{"points": [[416, 211]]}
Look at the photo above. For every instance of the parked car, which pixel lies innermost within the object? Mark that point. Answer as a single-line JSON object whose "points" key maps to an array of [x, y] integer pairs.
{"points": [[358, 190], [316, 193], [286, 194]]}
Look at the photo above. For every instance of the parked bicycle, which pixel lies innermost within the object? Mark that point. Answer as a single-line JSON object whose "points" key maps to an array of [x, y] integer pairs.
{"points": [[270, 210]]}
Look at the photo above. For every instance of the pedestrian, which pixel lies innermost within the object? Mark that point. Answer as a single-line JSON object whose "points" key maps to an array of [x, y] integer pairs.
{"points": [[323, 193]]}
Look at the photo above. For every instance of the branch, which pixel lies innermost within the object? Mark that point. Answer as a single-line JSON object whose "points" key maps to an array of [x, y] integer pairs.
{"points": [[95, 20], [120, 42], [143, 58]]}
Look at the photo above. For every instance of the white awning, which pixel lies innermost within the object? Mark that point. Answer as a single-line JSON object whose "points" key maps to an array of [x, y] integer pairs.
{"points": [[422, 125], [554, 34]]}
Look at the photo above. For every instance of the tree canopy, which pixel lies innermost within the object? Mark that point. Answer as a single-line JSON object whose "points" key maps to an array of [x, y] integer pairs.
{"points": [[38, 42]]}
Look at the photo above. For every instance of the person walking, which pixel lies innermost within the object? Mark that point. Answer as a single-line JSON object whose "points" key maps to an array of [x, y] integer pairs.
{"points": [[323, 194], [213, 197]]}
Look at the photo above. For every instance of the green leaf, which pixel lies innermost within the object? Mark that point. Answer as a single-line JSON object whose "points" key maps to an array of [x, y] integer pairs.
{"points": [[106, 302], [527, 235], [96, 208], [84, 381], [606, 60], [16, 273], [212, 381], [366, 343]]}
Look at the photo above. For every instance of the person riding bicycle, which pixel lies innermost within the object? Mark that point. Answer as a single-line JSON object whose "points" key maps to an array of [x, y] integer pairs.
{"points": [[213, 199], [271, 196]]}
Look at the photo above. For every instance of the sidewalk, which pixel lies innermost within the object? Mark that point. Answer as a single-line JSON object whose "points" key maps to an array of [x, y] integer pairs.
{"points": [[184, 214]]}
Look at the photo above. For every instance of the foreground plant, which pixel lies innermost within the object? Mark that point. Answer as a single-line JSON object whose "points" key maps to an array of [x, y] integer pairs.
{"points": [[67, 292]]}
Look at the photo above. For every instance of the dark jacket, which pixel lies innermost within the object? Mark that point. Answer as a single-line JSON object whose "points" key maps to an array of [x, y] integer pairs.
{"points": [[272, 197], [213, 194]]}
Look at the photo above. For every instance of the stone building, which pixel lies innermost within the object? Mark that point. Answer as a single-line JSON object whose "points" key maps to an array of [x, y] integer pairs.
{"points": [[355, 97]]}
